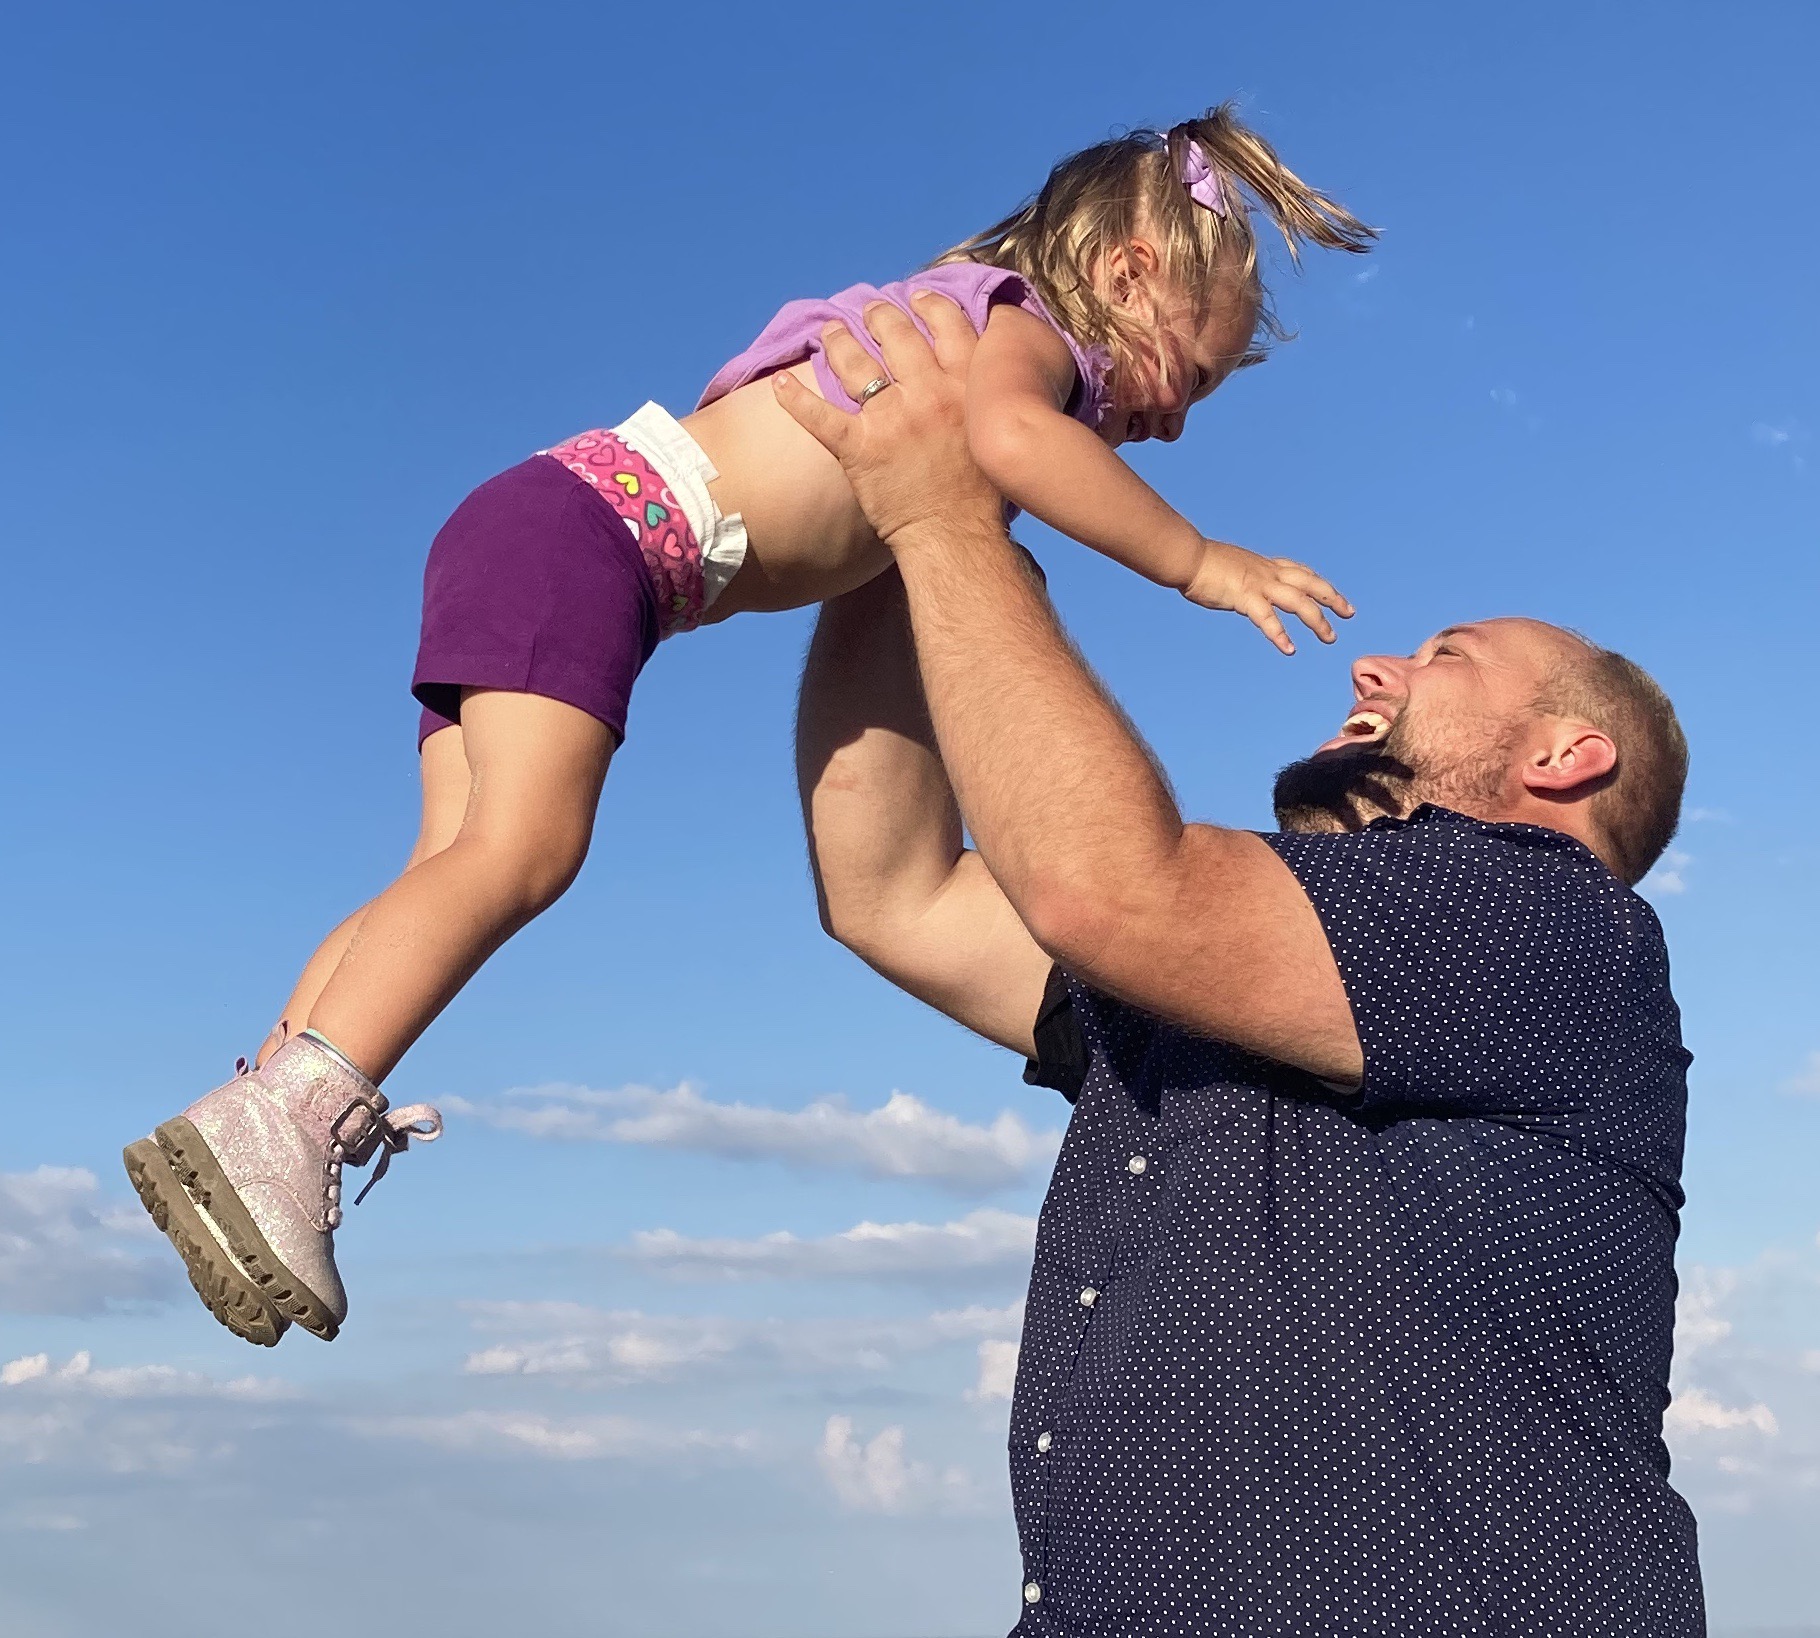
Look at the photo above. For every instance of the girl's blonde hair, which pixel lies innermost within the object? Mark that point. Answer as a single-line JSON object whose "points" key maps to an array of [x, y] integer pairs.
{"points": [[1102, 198]]}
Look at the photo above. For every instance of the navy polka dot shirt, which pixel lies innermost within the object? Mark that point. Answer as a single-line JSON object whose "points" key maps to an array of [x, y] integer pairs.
{"points": [[1301, 1363]]}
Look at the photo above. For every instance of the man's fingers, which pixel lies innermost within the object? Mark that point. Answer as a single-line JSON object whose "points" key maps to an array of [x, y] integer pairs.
{"points": [[907, 356], [830, 427], [853, 366], [952, 331]]}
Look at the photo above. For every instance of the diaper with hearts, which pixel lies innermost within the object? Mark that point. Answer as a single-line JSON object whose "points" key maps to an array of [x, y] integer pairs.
{"points": [[656, 477]]}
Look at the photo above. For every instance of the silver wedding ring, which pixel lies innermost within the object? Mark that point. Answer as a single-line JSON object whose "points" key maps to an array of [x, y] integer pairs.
{"points": [[873, 388]]}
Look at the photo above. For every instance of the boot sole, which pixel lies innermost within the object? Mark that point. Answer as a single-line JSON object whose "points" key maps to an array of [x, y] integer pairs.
{"points": [[195, 1167], [225, 1290]]}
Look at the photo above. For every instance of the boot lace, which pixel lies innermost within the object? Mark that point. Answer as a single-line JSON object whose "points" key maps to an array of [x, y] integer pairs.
{"points": [[368, 1125]]}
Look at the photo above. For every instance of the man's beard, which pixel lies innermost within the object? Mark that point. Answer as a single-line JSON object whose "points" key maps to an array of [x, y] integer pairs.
{"points": [[1463, 765]]}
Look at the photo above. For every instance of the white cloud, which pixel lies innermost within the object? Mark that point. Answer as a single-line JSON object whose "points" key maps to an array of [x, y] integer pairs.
{"points": [[78, 1374], [1368, 274], [1786, 438], [903, 1137], [572, 1439], [1744, 1423], [625, 1346], [878, 1477], [998, 1371], [65, 1249], [1669, 874], [1504, 397], [987, 1239], [124, 1419], [1695, 1411], [1805, 1082]]}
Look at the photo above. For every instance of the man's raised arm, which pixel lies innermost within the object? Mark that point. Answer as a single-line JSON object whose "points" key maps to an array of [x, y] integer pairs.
{"points": [[894, 881], [1202, 926]]}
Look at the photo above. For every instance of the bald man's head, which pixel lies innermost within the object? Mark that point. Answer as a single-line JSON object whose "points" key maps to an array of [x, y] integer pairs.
{"points": [[1509, 719]]}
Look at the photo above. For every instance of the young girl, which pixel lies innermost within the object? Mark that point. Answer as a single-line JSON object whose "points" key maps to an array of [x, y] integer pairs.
{"points": [[1106, 308]]}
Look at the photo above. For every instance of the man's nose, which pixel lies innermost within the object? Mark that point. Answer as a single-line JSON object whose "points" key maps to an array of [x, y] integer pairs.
{"points": [[1378, 674]]}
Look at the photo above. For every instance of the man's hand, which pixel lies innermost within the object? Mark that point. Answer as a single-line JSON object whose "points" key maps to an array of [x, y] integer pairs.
{"points": [[905, 453]]}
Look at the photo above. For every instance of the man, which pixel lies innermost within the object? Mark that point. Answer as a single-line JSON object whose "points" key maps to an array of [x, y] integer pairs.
{"points": [[1353, 1297]]}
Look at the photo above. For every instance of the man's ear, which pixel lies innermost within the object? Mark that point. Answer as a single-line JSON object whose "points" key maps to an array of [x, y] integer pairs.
{"points": [[1573, 757]]}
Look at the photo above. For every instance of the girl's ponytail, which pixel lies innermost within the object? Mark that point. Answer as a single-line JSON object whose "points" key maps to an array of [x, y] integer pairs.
{"points": [[1303, 215], [1179, 187]]}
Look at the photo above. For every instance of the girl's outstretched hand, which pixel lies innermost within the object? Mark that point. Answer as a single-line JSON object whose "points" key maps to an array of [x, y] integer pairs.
{"points": [[1229, 577]]}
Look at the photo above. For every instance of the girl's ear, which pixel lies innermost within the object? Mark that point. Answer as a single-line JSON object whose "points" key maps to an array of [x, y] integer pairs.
{"points": [[1128, 268]]}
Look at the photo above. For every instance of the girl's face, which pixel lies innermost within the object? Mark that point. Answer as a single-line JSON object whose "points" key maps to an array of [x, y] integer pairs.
{"points": [[1184, 357]]}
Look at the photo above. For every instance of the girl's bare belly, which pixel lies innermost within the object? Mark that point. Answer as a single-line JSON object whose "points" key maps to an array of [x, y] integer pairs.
{"points": [[806, 537]]}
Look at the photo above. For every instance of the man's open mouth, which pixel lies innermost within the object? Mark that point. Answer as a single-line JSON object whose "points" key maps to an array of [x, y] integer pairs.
{"points": [[1363, 727]]}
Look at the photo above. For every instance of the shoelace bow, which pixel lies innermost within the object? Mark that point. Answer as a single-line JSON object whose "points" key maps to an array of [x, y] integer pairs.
{"points": [[389, 1132]]}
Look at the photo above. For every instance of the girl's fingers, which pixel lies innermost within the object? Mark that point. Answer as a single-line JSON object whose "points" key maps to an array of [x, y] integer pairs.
{"points": [[1267, 620], [1305, 609], [1317, 586], [813, 413]]}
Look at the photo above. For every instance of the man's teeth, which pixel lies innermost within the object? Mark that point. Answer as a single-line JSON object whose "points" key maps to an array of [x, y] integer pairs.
{"points": [[1364, 723]]}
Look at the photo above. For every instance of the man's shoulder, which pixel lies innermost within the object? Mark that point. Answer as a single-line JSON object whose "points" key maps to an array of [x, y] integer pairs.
{"points": [[1435, 836], [1483, 880]]}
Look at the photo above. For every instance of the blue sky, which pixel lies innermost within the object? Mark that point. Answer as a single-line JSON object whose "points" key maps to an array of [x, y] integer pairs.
{"points": [[280, 288]]}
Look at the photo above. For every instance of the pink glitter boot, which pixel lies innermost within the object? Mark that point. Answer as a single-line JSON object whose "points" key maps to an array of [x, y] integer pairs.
{"points": [[246, 1183]]}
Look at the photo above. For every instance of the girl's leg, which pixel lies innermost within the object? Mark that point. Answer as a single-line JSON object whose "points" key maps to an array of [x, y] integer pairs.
{"points": [[535, 768], [444, 768]]}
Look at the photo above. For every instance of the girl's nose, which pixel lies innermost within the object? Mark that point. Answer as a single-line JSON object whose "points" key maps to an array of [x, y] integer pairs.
{"points": [[1170, 427]]}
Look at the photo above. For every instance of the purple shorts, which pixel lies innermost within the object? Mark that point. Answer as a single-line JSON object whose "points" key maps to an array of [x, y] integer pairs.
{"points": [[538, 586]]}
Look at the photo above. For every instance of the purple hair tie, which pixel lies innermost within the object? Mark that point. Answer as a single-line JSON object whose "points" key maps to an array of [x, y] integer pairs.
{"points": [[1201, 180]]}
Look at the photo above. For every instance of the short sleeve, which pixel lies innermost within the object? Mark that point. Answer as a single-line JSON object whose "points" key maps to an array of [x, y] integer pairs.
{"points": [[1486, 965], [1061, 1051]]}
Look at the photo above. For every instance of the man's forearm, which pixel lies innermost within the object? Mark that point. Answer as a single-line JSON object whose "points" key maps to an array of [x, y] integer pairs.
{"points": [[877, 806], [895, 882], [1064, 802]]}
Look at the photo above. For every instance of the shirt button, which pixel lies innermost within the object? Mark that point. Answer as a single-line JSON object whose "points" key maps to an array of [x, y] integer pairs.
{"points": [[1032, 1592], [1137, 1165], [1089, 1296], [1043, 1441]]}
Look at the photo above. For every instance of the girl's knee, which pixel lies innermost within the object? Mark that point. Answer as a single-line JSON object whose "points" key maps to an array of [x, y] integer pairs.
{"points": [[531, 868]]}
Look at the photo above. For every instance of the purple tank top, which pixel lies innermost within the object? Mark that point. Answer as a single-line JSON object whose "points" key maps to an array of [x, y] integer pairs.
{"points": [[795, 334]]}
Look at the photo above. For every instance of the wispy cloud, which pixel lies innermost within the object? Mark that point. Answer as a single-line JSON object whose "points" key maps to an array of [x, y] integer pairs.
{"points": [[903, 1137], [125, 1419], [79, 1374], [1744, 1421], [984, 1240], [998, 1371], [1504, 397], [1805, 1082], [878, 1476], [1789, 439], [609, 1346], [1669, 875], [66, 1249], [569, 1439]]}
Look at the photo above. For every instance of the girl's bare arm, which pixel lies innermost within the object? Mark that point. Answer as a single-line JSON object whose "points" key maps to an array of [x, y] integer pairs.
{"points": [[1043, 460]]}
